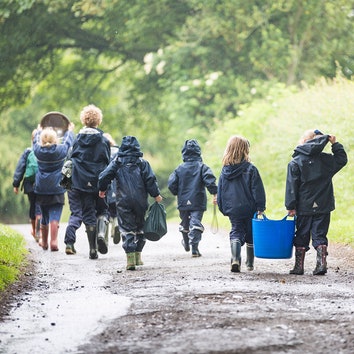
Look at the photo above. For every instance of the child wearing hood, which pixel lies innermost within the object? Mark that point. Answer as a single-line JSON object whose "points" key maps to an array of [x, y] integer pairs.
{"points": [[188, 182], [90, 155], [135, 180], [309, 195], [240, 195]]}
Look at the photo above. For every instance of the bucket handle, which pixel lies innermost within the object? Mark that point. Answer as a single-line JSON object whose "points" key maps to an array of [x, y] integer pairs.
{"points": [[264, 217]]}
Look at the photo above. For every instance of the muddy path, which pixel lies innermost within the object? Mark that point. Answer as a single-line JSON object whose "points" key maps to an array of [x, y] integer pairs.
{"points": [[179, 304]]}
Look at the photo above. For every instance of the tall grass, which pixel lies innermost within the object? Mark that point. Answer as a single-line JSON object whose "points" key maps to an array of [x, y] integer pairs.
{"points": [[274, 127], [12, 255]]}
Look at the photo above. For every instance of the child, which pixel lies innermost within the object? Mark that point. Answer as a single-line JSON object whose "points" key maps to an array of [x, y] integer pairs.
{"points": [[240, 195], [309, 195], [188, 181], [135, 180], [50, 195], [90, 155], [26, 169]]}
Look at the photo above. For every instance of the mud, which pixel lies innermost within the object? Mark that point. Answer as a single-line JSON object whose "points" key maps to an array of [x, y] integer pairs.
{"points": [[179, 304]]}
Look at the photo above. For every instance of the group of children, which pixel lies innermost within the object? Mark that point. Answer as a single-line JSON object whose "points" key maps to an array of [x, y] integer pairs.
{"points": [[239, 193]]}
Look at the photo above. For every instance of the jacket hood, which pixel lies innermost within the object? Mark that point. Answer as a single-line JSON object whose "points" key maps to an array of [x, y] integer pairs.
{"points": [[130, 147], [88, 136], [234, 171], [312, 147], [191, 151]]}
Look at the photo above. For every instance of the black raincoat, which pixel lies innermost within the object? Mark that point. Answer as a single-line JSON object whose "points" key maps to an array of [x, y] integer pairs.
{"points": [[309, 188]]}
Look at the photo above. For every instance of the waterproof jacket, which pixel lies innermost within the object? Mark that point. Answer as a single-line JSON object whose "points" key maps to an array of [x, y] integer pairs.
{"points": [[189, 180], [134, 176], [50, 162], [241, 191], [309, 188], [28, 185], [90, 155]]}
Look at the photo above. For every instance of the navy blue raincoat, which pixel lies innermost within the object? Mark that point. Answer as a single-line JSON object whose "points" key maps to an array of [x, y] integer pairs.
{"points": [[309, 188], [240, 191], [90, 156], [189, 180]]}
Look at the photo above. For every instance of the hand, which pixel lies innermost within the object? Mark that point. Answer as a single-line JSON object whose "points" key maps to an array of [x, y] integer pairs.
{"points": [[292, 212], [16, 190], [215, 199], [102, 194], [158, 199], [332, 139]]}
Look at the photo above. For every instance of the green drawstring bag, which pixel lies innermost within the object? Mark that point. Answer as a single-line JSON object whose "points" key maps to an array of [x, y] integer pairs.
{"points": [[155, 224]]}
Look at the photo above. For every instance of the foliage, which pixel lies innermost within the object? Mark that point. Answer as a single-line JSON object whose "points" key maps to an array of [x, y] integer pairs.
{"points": [[12, 255], [274, 127]]}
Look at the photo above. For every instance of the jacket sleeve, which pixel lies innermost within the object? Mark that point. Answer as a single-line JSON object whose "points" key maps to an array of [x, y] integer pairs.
{"points": [[220, 195], [258, 191], [340, 156], [149, 179], [107, 175], [209, 180], [172, 183], [292, 186], [20, 168]]}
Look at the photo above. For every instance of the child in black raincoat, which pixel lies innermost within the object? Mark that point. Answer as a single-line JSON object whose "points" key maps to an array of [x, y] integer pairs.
{"points": [[309, 195], [188, 181], [240, 195], [135, 180]]}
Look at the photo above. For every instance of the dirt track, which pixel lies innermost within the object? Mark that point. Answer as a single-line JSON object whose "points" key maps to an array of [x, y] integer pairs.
{"points": [[180, 304]]}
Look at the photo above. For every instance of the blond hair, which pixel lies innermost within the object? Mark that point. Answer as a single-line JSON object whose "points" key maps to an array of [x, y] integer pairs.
{"points": [[48, 137], [91, 116], [236, 151], [308, 135], [110, 139]]}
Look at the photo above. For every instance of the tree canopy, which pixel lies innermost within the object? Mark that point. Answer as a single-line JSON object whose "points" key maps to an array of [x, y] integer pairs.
{"points": [[162, 70]]}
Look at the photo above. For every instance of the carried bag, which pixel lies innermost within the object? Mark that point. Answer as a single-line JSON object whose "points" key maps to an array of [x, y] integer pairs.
{"points": [[155, 224], [67, 172]]}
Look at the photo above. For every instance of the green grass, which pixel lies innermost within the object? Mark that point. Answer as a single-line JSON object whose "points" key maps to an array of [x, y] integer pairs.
{"points": [[12, 256]]}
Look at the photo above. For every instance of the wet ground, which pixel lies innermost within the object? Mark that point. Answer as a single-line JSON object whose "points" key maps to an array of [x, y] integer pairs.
{"points": [[178, 304]]}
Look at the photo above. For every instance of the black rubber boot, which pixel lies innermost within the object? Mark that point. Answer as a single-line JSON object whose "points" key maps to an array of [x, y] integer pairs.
{"points": [[185, 241], [139, 248], [195, 251], [250, 256], [235, 256], [102, 235], [299, 261], [92, 239], [321, 262]]}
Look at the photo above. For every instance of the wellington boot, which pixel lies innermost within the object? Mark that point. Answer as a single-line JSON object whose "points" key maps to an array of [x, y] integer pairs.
{"points": [[33, 231], [38, 228], [43, 242], [54, 227], [92, 239], [250, 256], [138, 260], [115, 233], [131, 261], [299, 261], [235, 256], [195, 251], [321, 261], [185, 241], [102, 237]]}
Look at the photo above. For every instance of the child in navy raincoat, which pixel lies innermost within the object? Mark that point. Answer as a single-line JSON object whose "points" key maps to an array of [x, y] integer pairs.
{"points": [[188, 182], [135, 180], [50, 156], [309, 195], [90, 155], [240, 195]]}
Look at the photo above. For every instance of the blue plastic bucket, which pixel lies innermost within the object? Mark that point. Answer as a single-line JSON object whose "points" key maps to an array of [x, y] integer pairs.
{"points": [[273, 238]]}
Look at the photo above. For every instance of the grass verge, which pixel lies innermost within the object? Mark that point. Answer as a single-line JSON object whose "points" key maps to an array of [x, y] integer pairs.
{"points": [[12, 256]]}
